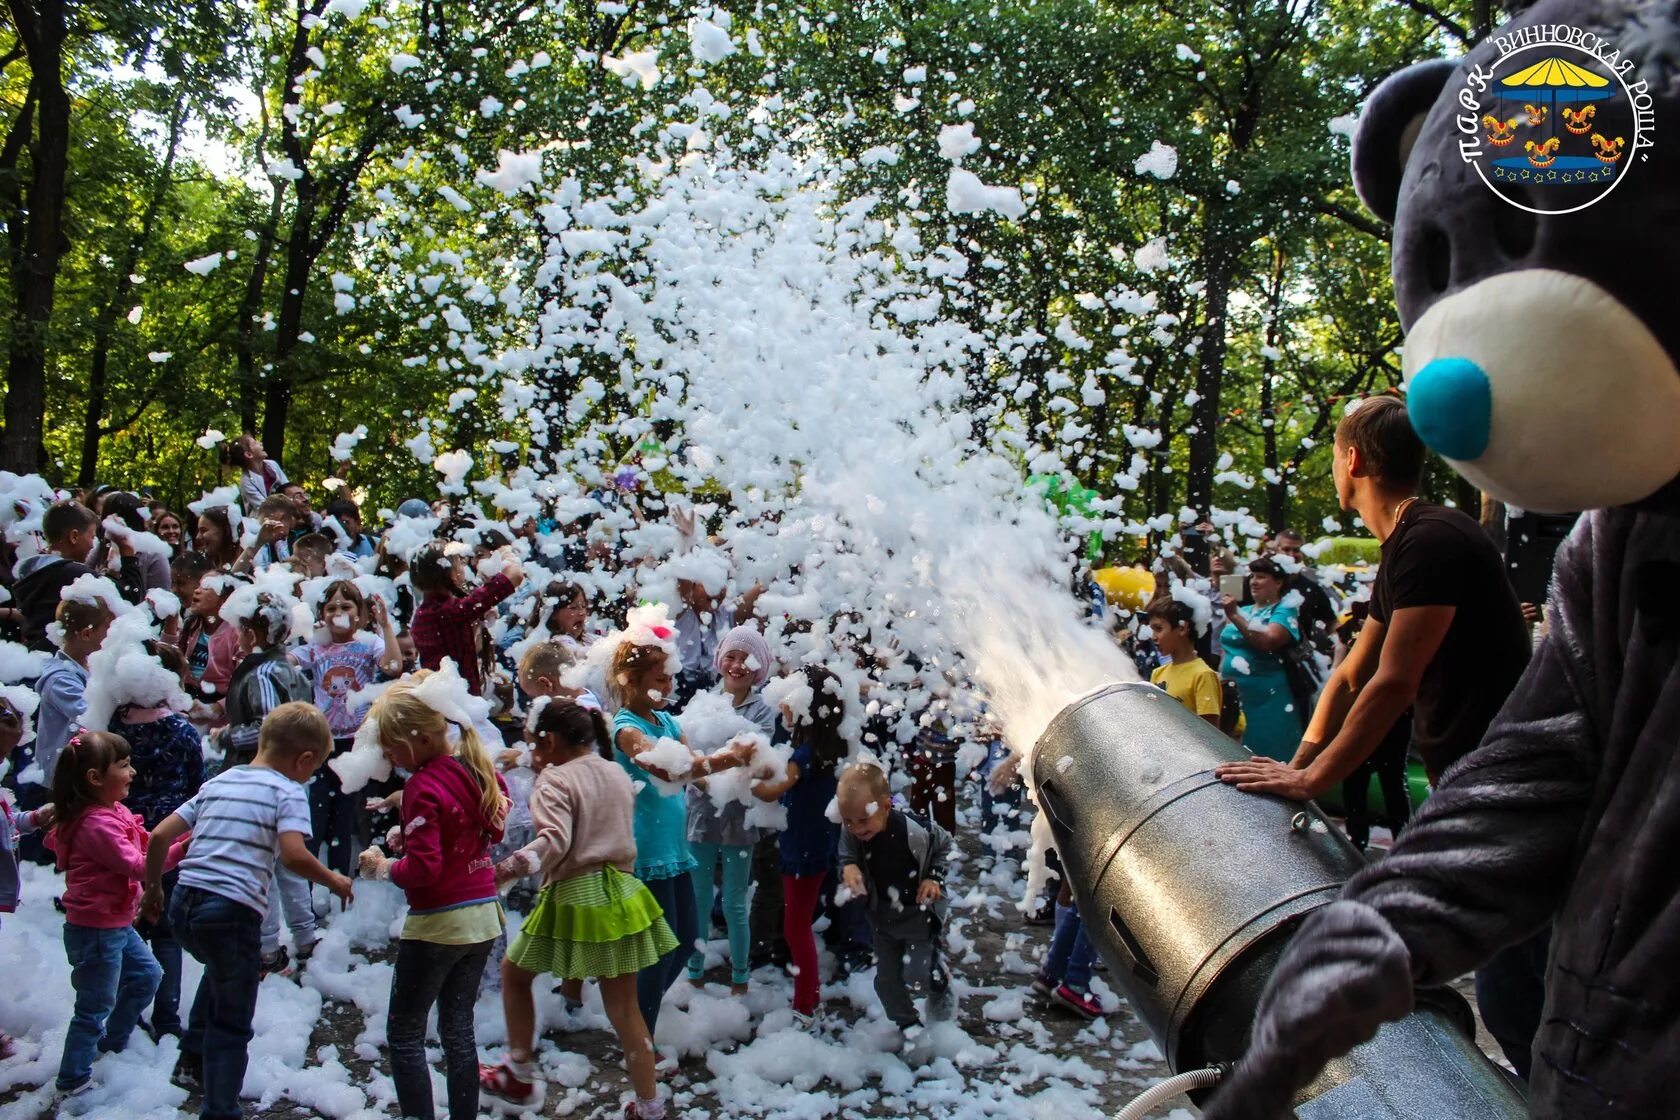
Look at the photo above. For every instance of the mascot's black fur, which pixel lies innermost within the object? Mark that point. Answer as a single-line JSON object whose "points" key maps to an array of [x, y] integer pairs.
{"points": [[1569, 811]]}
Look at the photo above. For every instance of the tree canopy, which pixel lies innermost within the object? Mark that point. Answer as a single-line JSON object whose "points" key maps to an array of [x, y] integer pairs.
{"points": [[288, 217]]}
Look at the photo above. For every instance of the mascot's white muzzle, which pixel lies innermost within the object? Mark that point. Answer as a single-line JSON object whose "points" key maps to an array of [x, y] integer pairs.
{"points": [[1544, 390]]}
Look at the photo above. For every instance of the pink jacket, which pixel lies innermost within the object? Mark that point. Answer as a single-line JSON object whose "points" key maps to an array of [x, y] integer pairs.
{"points": [[103, 857], [446, 839]]}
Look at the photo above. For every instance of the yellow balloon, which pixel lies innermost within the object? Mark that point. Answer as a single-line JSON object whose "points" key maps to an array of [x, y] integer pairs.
{"points": [[1126, 587]]}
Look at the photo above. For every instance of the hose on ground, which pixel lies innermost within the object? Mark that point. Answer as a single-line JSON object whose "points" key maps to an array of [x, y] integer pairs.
{"points": [[1185, 1082]]}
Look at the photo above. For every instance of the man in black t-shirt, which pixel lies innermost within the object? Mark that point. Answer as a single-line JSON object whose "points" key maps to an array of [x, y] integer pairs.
{"points": [[1439, 557], [1445, 637]]}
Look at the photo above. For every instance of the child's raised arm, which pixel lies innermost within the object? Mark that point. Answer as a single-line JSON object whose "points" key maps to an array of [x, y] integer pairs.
{"points": [[422, 844], [772, 789], [158, 848], [294, 854], [635, 744], [551, 811]]}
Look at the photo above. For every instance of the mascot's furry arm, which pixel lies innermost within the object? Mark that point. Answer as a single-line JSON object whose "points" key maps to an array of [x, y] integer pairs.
{"points": [[1485, 863]]}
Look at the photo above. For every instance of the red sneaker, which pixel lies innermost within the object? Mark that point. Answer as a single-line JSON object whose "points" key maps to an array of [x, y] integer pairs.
{"points": [[1082, 1004], [502, 1090]]}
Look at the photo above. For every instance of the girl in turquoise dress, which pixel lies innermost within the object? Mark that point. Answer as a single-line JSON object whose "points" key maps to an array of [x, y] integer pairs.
{"points": [[641, 678]]}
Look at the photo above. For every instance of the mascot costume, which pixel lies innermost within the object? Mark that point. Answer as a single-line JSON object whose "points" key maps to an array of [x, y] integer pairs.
{"points": [[1540, 357]]}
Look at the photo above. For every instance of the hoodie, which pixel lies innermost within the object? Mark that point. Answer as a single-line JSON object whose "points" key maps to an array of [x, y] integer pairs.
{"points": [[265, 680], [41, 578], [446, 859], [103, 857], [62, 687]]}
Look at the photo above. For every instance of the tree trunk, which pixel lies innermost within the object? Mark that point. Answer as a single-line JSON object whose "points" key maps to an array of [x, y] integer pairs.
{"points": [[1217, 267], [277, 394], [250, 309], [93, 423], [1277, 483], [42, 29]]}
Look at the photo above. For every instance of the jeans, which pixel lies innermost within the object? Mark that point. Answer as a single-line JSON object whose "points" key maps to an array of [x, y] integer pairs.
{"points": [[288, 892], [447, 975], [333, 817], [166, 1007], [1511, 995], [114, 976], [1071, 956], [800, 896], [675, 896], [907, 960], [737, 874], [226, 937]]}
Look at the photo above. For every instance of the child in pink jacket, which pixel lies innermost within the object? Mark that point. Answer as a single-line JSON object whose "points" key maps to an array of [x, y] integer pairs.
{"points": [[101, 849], [453, 808]]}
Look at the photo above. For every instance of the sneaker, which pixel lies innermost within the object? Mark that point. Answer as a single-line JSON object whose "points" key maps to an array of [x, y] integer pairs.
{"points": [[189, 1072], [1082, 1004], [8, 1045], [503, 1090], [635, 1110], [277, 961], [807, 1023], [76, 1089], [1044, 916], [1042, 987], [157, 1034]]}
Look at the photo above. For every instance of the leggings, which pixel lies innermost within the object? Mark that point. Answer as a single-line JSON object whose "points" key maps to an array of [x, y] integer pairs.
{"points": [[447, 976], [676, 897], [737, 875], [800, 895]]}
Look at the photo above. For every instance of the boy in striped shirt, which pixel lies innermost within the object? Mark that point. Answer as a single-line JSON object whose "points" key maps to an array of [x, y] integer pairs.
{"points": [[240, 821]]}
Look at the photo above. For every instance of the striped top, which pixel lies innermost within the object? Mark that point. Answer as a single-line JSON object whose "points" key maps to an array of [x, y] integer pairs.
{"points": [[236, 819]]}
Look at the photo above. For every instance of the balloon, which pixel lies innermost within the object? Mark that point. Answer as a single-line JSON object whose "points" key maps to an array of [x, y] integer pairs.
{"points": [[1070, 499], [1131, 588]]}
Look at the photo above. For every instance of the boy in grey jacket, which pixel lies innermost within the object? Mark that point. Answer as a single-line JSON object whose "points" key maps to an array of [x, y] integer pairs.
{"points": [[898, 861]]}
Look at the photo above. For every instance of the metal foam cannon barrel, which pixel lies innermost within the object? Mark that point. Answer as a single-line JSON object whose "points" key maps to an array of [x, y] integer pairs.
{"points": [[1190, 891]]}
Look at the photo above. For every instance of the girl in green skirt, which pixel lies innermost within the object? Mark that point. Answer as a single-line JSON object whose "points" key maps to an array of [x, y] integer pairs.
{"points": [[593, 919]]}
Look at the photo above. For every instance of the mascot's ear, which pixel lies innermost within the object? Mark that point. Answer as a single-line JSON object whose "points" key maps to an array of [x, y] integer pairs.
{"points": [[1387, 130]]}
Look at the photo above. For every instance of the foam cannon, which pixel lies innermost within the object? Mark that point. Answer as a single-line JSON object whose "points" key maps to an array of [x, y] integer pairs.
{"points": [[1190, 890]]}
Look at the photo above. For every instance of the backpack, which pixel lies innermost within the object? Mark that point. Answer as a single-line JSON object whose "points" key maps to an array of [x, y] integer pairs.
{"points": [[1300, 669]]}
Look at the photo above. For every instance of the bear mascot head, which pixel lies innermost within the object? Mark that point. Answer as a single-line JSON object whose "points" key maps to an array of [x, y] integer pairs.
{"points": [[1535, 199], [1537, 250]]}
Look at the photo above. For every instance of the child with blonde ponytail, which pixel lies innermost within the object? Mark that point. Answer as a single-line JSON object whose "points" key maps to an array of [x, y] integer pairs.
{"points": [[453, 809]]}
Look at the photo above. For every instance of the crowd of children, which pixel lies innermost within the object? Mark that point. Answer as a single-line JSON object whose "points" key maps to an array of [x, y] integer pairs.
{"points": [[577, 788], [204, 687]]}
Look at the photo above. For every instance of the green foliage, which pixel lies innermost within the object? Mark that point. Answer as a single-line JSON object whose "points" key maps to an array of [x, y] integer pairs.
{"points": [[361, 277]]}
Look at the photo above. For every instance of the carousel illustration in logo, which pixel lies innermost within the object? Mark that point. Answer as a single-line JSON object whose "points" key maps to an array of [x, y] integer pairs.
{"points": [[1554, 124]]}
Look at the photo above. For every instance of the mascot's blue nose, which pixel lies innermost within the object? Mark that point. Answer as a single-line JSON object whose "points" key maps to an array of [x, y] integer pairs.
{"points": [[1450, 401]]}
